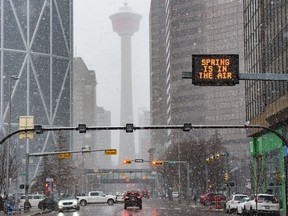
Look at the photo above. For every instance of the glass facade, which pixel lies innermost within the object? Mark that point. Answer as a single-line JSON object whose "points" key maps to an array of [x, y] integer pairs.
{"points": [[266, 40], [36, 46]]}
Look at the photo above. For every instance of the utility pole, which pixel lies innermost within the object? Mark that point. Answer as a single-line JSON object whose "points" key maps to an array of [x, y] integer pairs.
{"points": [[9, 131]]}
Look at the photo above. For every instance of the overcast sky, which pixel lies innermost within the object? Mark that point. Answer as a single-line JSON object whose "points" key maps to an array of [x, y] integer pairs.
{"points": [[99, 47]]}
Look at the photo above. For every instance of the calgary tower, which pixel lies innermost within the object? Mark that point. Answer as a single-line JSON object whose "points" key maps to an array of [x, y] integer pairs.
{"points": [[126, 23]]}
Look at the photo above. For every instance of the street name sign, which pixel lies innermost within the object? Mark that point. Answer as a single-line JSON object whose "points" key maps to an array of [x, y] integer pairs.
{"points": [[64, 155], [110, 152]]}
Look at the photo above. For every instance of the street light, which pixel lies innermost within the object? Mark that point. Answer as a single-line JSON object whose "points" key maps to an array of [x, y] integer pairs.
{"points": [[9, 131]]}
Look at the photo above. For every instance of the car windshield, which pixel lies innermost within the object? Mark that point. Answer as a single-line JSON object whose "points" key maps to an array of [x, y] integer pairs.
{"points": [[183, 101], [240, 197], [267, 198], [67, 197]]}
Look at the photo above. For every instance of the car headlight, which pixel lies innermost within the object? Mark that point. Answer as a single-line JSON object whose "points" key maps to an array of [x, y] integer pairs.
{"points": [[75, 202]]}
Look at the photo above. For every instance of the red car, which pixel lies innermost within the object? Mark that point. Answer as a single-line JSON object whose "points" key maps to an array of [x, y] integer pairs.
{"points": [[210, 198]]}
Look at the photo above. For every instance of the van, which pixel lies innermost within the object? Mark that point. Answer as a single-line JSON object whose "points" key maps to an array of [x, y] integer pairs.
{"points": [[34, 199]]}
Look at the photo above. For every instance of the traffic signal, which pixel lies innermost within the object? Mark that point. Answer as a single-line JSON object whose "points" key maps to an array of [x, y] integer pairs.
{"points": [[82, 128], [226, 176], [157, 163], [127, 161], [218, 156], [212, 157], [46, 188]]}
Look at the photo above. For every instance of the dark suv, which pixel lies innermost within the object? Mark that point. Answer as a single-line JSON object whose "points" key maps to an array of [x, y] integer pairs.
{"points": [[132, 198]]}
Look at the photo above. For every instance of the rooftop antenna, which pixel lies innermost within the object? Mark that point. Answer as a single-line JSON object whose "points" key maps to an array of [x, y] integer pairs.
{"points": [[125, 3]]}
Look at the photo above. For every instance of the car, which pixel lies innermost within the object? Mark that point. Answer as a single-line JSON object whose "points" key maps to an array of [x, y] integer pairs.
{"points": [[97, 197], [120, 197], [34, 199], [262, 204], [67, 202], [240, 205], [231, 204], [48, 203], [209, 198], [132, 198]]}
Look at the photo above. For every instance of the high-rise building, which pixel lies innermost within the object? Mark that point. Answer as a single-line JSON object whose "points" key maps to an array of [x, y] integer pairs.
{"points": [[144, 137], [37, 47], [180, 29], [103, 139], [126, 23], [266, 52], [84, 111]]}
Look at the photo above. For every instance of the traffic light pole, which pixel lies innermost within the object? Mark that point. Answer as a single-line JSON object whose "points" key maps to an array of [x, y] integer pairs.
{"points": [[129, 128]]}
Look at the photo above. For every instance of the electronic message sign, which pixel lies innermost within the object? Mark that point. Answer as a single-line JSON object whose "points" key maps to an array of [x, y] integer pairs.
{"points": [[215, 70]]}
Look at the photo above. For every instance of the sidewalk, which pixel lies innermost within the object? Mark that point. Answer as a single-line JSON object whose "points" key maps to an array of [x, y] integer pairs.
{"points": [[32, 212]]}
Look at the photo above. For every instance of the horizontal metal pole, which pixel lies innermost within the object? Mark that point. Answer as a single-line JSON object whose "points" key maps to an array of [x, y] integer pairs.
{"points": [[185, 127], [263, 76], [250, 76], [64, 152]]}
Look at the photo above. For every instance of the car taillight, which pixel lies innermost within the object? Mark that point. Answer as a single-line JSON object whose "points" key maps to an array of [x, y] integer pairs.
{"points": [[139, 197], [126, 197]]}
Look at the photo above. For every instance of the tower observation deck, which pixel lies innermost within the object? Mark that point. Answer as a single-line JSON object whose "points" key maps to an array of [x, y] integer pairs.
{"points": [[126, 23]]}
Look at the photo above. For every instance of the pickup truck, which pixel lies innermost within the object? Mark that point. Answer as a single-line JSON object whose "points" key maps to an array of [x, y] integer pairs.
{"points": [[97, 197]]}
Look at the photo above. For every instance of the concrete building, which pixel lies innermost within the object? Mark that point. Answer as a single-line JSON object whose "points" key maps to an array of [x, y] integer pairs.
{"points": [[180, 29], [37, 47], [103, 139], [126, 23], [84, 111], [144, 137]]}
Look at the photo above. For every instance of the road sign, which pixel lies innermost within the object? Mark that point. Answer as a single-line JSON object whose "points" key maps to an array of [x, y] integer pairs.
{"points": [[215, 70], [64, 155], [110, 152], [139, 160], [171, 162], [26, 122], [49, 179], [285, 151]]}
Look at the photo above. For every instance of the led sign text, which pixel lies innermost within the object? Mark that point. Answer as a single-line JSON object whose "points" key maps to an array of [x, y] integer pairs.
{"points": [[215, 70]]}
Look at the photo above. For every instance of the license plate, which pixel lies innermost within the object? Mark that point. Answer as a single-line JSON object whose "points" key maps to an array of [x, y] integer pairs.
{"points": [[267, 207]]}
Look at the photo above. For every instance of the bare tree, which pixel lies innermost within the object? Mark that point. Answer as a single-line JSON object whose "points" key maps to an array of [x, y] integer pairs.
{"points": [[195, 152], [13, 166]]}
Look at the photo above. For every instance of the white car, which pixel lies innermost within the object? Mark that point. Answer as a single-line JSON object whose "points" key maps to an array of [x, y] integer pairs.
{"points": [[67, 202], [231, 204], [34, 199], [266, 204], [120, 197], [240, 205]]}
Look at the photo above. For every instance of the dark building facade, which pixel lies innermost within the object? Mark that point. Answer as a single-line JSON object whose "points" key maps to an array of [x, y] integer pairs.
{"points": [[36, 46], [266, 43], [180, 29], [84, 111]]}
